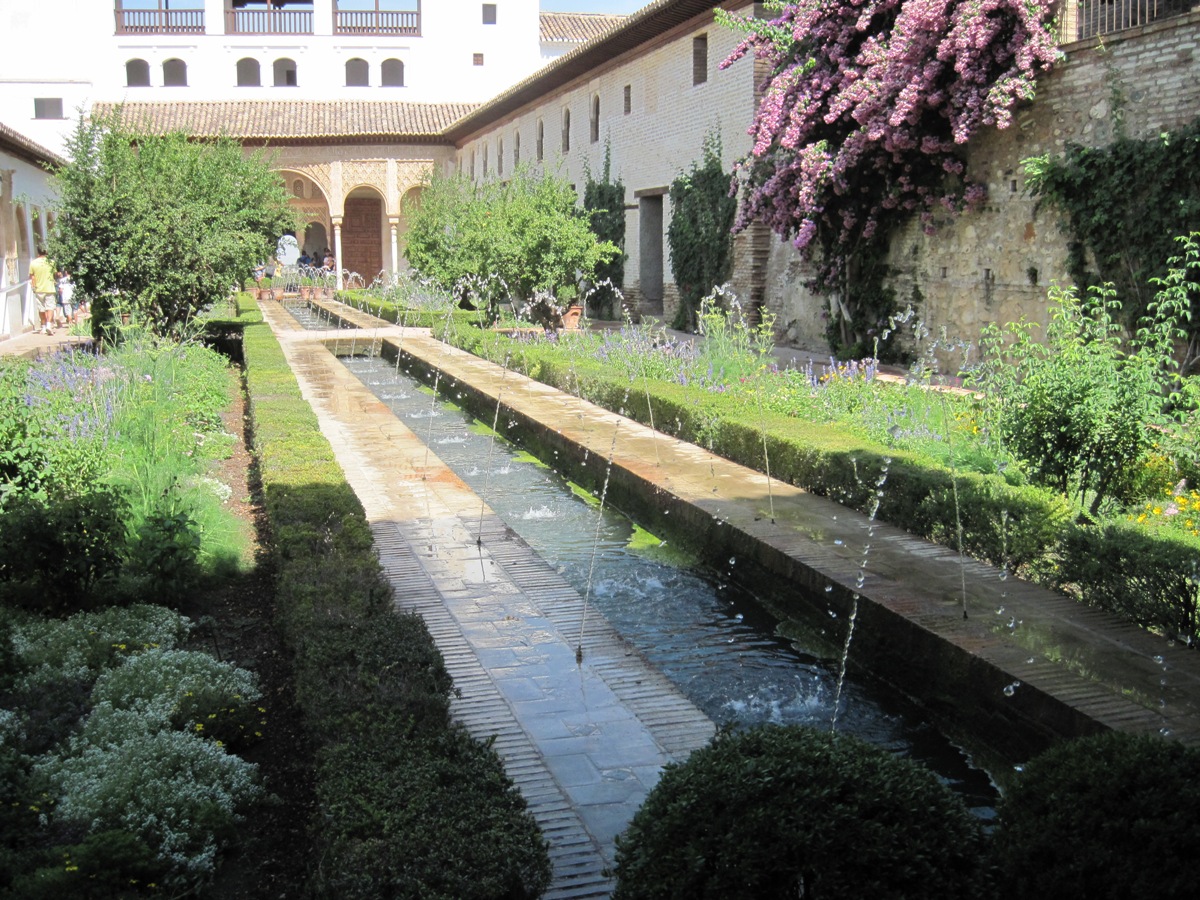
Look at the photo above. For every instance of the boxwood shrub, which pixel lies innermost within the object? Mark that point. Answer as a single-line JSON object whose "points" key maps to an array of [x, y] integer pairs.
{"points": [[409, 805], [1110, 817], [794, 812]]}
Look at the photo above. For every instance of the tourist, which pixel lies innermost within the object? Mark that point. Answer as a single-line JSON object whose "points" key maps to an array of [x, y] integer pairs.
{"points": [[329, 263], [66, 296], [41, 274]]}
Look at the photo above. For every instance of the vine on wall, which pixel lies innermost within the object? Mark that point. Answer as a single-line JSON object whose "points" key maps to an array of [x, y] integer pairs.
{"points": [[1125, 205], [700, 235], [604, 201]]}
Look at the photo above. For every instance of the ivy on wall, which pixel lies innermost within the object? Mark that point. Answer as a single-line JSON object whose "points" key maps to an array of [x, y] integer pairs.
{"points": [[1124, 206], [700, 234], [604, 201]]}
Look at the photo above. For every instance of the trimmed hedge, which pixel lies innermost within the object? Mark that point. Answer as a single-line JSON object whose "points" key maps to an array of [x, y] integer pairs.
{"points": [[796, 812], [373, 686], [1144, 576], [1111, 817]]}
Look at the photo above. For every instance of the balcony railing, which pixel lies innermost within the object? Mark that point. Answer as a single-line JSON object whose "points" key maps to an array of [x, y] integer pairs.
{"points": [[373, 21], [1081, 19], [268, 21], [160, 21]]}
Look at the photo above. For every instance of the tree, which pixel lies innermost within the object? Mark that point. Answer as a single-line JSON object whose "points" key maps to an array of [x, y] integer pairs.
{"points": [[700, 234], [864, 116], [161, 225], [507, 239]]}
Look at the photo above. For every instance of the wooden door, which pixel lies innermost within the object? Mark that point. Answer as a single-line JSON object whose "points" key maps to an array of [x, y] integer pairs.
{"points": [[362, 237]]}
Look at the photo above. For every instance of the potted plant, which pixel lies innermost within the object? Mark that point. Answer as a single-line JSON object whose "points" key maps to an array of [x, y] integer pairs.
{"points": [[264, 289]]}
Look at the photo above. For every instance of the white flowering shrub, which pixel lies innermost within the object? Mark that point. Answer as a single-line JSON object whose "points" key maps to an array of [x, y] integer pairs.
{"points": [[183, 689], [179, 794], [81, 646]]}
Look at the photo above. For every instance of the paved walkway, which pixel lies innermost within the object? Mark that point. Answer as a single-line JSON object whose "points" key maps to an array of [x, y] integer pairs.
{"points": [[583, 740]]}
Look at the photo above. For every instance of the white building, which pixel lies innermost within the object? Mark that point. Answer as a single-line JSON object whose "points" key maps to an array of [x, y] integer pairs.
{"points": [[25, 220], [61, 56]]}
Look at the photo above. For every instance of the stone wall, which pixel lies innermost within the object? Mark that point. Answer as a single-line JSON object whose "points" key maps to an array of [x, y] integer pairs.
{"points": [[995, 263]]}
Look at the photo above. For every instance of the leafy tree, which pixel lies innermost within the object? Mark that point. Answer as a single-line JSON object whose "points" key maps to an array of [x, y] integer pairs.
{"points": [[161, 225], [604, 201], [504, 239], [794, 812], [864, 116], [1083, 408], [700, 233]]}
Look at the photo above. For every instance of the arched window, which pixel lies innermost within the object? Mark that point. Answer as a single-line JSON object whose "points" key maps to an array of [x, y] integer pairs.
{"points": [[595, 130], [358, 72], [248, 73], [137, 73], [285, 72], [174, 73], [541, 140], [500, 156], [391, 73], [298, 188], [566, 131], [516, 149]]}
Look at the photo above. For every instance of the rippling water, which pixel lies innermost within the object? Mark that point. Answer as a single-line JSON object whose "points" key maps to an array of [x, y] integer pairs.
{"points": [[699, 627]]}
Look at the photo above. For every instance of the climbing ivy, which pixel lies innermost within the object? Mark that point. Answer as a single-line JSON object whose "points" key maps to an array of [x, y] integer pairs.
{"points": [[604, 201], [700, 234], [1124, 206]]}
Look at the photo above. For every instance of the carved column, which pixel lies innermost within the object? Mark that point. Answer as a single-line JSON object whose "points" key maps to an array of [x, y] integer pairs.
{"points": [[394, 226], [337, 249]]}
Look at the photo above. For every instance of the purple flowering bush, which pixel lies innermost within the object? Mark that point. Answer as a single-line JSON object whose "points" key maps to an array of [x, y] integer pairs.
{"points": [[866, 111]]}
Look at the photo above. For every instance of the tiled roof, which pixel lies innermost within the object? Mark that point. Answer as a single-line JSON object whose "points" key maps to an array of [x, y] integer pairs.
{"points": [[575, 28], [289, 120], [19, 145]]}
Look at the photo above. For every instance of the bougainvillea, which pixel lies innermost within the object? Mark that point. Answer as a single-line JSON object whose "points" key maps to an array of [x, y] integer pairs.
{"points": [[867, 108]]}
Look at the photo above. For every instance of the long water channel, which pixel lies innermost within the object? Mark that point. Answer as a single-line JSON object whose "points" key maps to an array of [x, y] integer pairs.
{"points": [[698, 625]]}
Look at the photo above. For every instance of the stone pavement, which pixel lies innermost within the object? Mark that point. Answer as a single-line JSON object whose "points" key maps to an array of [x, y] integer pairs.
{"points": [[584, 739]]}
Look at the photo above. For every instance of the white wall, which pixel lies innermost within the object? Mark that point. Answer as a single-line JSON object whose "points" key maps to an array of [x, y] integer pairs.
{"points": [[25, 196]]}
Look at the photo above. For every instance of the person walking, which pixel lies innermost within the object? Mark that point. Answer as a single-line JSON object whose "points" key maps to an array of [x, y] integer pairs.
{"points": [[41, 273]]}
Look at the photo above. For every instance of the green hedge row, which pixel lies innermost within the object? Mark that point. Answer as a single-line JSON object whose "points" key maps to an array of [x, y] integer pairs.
{"points": [[411, 806], [1150, 578], [436, 320]]}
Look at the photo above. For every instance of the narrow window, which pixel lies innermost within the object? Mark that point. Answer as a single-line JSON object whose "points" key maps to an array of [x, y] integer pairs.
{"points": [[391, 73], [477, 59], [566, 131], [628, 99], [700, 59], [489, 14], [541, 140], [485, 156], [472, 165], [358, 72], [249, 73], [595, 120], [516, 149], [47, 108], [500, 156], [285, 72], [137, 73], [174, 73]]}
